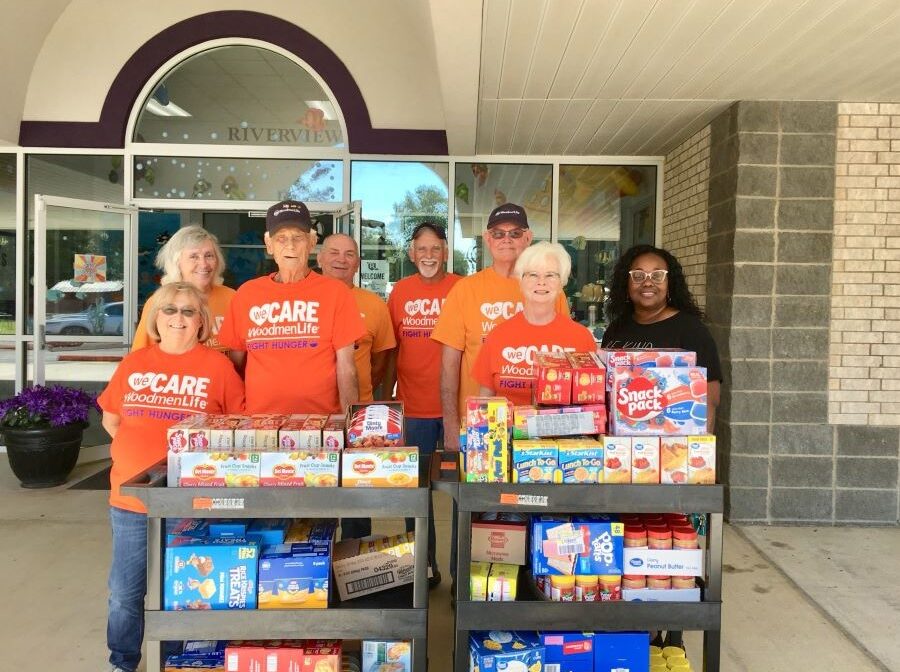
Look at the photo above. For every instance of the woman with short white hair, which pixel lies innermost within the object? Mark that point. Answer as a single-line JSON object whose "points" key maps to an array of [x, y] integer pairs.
{"points": [[192, 255], [504, 366]]}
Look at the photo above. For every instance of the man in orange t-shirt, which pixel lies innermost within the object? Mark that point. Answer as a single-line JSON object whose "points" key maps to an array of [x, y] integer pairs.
{"points": [[339, 259], [474, 307], [294, 329]]}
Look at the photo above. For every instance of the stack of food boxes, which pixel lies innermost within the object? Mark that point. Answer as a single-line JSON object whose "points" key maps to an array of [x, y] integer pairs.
{"points": [[499, 650], [498, 550], [312, 655]]}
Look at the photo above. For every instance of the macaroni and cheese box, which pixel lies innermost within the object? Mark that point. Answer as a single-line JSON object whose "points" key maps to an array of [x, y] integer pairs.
{"points": [[219, 470], [487, 440], [568, 651], [210, 574], [386, 656], [501, 651], [673, 460], [535, 461], [553, 379], [502, 582], [645, 459], [499, 541], [380, 468], [701, 460], [294, 576], [588, 378], [660, 401], [580, 460], [616, 459], [333, 432], [478, 579], [312, 468]]}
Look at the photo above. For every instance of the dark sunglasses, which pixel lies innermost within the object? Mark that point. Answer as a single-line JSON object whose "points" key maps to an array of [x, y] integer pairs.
{"points": [[186, 312], [500, 234]]}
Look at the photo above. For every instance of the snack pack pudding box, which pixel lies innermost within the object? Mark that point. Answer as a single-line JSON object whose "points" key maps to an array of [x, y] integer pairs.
{"points": [[210, 574], [646, 359], [501, 651], [660, 402]]}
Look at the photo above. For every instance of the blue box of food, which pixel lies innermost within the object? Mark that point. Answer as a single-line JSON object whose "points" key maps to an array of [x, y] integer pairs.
{"points": [[197, 528], [294, 576], [228, 527], [621, 652], [503, 651], [210, 574], [269, 531], [553, 542], [604, 541], [568, 651], [581, 545]]}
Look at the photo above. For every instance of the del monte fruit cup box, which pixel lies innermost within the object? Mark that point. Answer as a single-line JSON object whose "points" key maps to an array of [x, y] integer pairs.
{"points": [[380, 467], [660, 401], [308, 467]]}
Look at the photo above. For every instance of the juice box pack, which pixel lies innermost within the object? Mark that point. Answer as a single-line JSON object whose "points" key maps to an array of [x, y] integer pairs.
{"points": [[501, 651], [311, 468], [380, 467], [487, 449], [219, 469], [333, 432], [581, 460], [658, 401], [647, 359], [210, 574], [294, 576], [535, 461], [301, 432], [553, 379]]}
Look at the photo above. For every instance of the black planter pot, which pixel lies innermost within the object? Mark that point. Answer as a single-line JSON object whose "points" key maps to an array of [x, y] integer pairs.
{"points": [[44, 457]]}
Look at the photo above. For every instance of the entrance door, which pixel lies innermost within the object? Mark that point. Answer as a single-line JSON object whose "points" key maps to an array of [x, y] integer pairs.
{"points": [[84, 309]]}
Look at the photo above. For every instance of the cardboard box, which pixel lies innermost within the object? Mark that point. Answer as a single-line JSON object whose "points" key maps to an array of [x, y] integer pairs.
{"points": [[535, 461], [333, 432], [553, 379], [244, 435], [673, 460], [701, 460], [581, 460], [660, 401], [588, 378], [221, 430], [501, 651], [567, 421], [376, 424], [294, 576], [672, 595], [499, 541], [478, 581], [357, 574], [652, 562], [618, 651], [616, 459], [568, 651], [292, 436], [380, 468], [487, 451], [386, 656], [502, 582], [315, 468], [645, 459], [210, 574], [219, 470]]}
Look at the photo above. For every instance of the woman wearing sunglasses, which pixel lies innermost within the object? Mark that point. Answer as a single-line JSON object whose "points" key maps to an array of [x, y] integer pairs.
{"points": [[152, 389]]}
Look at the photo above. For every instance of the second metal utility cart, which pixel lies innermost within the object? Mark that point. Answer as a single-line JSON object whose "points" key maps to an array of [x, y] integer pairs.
{"points": [[536, 614], [396, 614]]}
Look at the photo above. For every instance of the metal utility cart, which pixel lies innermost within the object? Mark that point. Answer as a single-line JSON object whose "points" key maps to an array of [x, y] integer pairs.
{"points": [[538, 614], [395, 614]]}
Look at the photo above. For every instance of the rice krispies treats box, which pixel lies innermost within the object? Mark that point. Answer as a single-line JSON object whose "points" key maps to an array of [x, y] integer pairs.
{"points": [[210, 574]]}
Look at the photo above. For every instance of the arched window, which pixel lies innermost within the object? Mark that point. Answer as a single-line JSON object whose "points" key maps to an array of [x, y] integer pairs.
{"points": [[240, 95]]}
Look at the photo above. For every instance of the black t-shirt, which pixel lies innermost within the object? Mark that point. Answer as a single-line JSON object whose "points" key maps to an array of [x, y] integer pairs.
{"points": [[682, 331]]}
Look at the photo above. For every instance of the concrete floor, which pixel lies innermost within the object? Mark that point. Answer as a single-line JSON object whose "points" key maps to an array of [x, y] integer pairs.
{"points": [[795, 598]]}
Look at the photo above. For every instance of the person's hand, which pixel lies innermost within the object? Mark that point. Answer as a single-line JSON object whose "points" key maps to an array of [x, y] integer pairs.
{"points": [[451, 440]]}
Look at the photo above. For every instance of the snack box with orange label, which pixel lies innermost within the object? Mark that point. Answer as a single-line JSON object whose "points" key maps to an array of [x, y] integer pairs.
{"points": [[659, 358], [535, 461], [316, 468], [701, 460], [661, 401], [333, 432], [673, 460], [616, 459], [645, 459], [487, 451], [588, 378], [375, 654], [214, 573], [384, 468], [294, 576], [375, 425], [219, 470], [581, 460], [553, 379]]}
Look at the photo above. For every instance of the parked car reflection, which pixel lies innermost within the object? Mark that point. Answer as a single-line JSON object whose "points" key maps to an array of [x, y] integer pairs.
{"points": [[90, 322]]}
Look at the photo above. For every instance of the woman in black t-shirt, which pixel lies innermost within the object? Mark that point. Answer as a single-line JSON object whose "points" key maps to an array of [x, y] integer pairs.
{"points": [[650, 306]]}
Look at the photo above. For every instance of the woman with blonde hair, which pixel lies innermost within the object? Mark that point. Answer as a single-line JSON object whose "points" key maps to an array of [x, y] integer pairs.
{"points": [[193, 255]]}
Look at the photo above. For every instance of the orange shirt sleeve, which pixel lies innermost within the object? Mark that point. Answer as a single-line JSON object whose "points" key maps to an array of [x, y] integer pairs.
{"points": [[231, 332], [141, 337], [450, 329]]}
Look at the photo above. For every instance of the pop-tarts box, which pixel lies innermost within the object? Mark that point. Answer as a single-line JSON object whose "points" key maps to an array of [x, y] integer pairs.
{"points": [[269, 531], [294, 576], [621, 652], [196, 528], [210, 574], [503, 651], [554, 543], [604, 542], [568, 651], [662, 401]]}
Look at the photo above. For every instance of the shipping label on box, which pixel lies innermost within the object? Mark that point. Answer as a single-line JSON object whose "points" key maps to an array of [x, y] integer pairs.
{"points": [[673, 460], [701, 460], [294, 576], [300, 468], [502, 582], [487, 450], [356, 575], [568, 651], [553, 379], [219, 469], [501, 651], [616, 459], [645, 459], [499, 541], [650, 595], [653, 562], [663, 401], [581, 460], [386, 656], [535, 461], [210, 574], [380, 468], [588, 378]]}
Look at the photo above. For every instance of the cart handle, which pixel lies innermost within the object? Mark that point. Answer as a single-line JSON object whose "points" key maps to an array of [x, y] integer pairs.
{"points": [[154, 477], [445, 467]]}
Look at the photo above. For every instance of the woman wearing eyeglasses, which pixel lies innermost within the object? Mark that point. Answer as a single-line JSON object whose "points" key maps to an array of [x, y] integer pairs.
{"points": [[152, 389], [504, 366]]}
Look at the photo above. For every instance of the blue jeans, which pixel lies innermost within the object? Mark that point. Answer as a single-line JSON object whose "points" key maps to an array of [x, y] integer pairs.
{"points": [[424, 433], [127, 588]]}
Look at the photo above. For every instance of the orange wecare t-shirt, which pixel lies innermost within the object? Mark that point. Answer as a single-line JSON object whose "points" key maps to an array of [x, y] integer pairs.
{"points": [[379, 337], [506, 361], [415, 307], [475, 306], [291, 332], [218, 300], [150, 391]]}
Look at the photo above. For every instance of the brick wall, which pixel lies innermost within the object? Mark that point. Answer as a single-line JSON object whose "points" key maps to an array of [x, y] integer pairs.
{"points": [[685, 208], [864, 380]]}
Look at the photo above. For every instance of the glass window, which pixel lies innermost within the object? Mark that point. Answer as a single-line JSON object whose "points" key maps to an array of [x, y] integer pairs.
{"points": [[602, 211], [481, 187], [395, 195], [7, 244], [238, 179], [239, 95]]}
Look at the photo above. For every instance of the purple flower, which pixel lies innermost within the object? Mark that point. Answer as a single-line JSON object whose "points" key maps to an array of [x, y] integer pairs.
{"points": [[51, 406]]}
